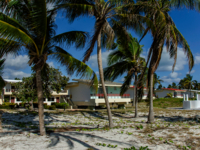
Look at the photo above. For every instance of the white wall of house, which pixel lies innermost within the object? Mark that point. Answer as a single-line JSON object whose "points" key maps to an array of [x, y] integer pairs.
{"points": [[8, 86], [190, 94], [163, 93], [80, 92], [131, 92]]}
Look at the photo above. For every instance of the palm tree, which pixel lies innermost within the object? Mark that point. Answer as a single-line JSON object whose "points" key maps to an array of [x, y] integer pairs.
{"points": [[126, 60], [188, 82], [107, 14], [174, 85], [30, 26], [195, 84], [164, 31], [156, 80], [2, 84]]}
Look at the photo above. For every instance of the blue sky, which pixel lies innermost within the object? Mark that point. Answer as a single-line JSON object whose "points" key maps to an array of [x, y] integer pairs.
{"points": [[187, 21]]}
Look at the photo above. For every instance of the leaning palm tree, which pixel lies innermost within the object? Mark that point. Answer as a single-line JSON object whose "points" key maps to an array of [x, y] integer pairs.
{"points": [[2, 84], [107, 14], [126, 60], [29, 26], [164, 31]]}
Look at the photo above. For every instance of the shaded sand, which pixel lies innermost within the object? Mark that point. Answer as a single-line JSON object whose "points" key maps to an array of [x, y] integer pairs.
{"points": [[173, 129]]}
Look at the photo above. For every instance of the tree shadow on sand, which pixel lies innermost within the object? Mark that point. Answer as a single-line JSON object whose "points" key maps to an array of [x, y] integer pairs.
{"points": [[70, 138]]}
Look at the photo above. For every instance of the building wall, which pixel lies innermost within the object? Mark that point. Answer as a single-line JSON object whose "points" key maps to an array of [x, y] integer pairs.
{"points": [[164, 93], [190, 94], [131, 92], [113, 90], [80, 93]]}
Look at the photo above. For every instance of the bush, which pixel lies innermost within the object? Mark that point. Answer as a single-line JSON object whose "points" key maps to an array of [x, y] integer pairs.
{"points": [[8, 105], [60, 105], [169, 95], [121, 106], [52, 107]]}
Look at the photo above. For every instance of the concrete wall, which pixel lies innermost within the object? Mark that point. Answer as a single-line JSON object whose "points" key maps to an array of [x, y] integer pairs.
{"points": [[192, 94], [163, 93], [8, 86], [131, 92], [80, 93]]}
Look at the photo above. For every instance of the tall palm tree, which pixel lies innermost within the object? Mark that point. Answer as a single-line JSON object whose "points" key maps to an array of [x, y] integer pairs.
{"points": [[107, 14], [2, 84], [29, 26], [164, 31], [126, 60]]}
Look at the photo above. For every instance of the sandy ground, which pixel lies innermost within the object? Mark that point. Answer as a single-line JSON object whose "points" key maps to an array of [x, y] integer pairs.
{"points": [[172, 129]]}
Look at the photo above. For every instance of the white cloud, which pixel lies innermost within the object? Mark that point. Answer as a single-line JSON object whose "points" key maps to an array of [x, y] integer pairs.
{"points": [[166, 62], [97, 73], [197, 59], [51, 64], [93, 59], [11, 74], [193, 71], [172, 77], [16, 63]]}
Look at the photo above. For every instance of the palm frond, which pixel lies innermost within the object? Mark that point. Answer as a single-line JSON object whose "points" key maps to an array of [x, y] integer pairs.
{"points": [[73, 37], [74, 65], [126, 83]]}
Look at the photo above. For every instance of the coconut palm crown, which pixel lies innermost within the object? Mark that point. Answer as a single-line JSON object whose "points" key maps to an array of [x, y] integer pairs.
{"points": [[126, 60], [29, 27]]}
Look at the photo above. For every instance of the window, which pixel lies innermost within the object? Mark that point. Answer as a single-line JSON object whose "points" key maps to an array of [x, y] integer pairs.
{"points": [[6, 98], [18, 100], [115, 88], [51, 99], [44, 99]]}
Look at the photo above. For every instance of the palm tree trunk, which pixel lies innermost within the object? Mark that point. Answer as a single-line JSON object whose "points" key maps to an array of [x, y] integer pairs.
{"points": [[31, 108], [99, 59], [40, 101], [135, 95], [1, 130], [151, 113]]}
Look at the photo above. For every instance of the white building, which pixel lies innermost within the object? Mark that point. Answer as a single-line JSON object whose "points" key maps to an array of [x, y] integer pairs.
{"points": [[176, 93], [8, 97], [83, 95]]}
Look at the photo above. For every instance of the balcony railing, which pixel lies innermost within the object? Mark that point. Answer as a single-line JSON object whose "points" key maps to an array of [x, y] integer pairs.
{"points": [[9, 90], [110, 96]]}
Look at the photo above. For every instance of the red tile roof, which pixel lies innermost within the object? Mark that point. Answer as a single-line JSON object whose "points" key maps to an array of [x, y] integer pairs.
{"points": [[138, 87], [171, 89]]}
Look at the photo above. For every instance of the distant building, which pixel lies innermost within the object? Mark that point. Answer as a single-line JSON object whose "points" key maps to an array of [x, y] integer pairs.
{"points": [[82, 94], [8, 89]]}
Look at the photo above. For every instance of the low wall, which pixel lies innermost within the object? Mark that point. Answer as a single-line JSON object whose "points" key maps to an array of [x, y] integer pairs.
{"points": [[191, 104]]}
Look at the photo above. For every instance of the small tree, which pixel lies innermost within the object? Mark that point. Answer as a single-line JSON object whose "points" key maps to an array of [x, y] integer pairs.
{"points": [[53, 80]]}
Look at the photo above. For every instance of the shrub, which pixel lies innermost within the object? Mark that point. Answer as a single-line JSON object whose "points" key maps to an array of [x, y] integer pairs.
{"points": [[169, 95], [53, 107], [8, 105], [121, 106], [61, 105]]}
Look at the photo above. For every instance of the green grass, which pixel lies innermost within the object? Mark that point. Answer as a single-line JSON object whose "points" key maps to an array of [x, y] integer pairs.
{"points": [[168, 102]]}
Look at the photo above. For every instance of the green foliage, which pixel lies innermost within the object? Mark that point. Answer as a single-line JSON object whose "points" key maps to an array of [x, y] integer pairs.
{"points": [[53, 79], [125, 60], [60, 105], [7, 105], [168, 102], [169, 95], [141, 148], [52, 107]]}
